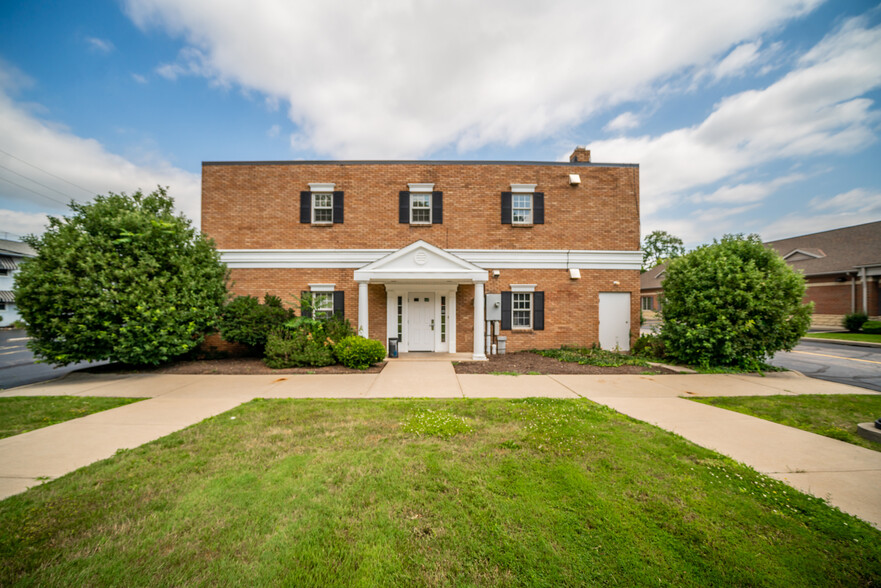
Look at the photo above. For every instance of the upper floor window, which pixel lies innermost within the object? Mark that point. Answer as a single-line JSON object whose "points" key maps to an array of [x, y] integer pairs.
{"points": [[523, 206], [421, 205], [321, 205]]}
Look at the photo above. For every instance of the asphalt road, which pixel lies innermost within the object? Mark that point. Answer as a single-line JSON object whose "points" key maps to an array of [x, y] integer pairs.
{"points": [[847, 364], [18, 366]]}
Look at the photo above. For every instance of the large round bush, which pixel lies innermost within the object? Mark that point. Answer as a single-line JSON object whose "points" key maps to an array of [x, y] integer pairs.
{"points": [[733, 304]]}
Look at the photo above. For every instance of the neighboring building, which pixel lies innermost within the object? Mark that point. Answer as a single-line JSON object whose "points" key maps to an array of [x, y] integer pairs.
{"points": [[650, 290], [413, 249], [11, 254], [842, 268]]}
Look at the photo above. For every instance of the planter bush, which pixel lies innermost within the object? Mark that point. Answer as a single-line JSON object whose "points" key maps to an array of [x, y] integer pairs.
{"points": [[359, 353], [288, 348], [244, 320], [853, 321], [872, 327], [649, 346]]}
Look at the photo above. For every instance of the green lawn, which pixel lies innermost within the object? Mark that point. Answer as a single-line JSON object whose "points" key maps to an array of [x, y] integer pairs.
{"points": [[20, 414], [830, 415], [535, 492], [871, 338]]}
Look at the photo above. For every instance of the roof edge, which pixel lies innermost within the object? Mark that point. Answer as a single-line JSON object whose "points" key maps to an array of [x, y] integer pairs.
{"points": [[420, 162]]}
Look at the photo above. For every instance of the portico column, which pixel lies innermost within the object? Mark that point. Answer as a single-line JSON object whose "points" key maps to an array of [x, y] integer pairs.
{"points": [[478, 321], [362, 309]]}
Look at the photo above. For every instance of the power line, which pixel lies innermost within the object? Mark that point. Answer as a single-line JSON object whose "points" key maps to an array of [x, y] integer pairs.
{"points": [[89, 192], [34, 191], [36, 182]]}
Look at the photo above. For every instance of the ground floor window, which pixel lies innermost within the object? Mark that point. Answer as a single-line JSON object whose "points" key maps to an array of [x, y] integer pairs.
{"points": [[400, 318], [522, 310], [648, 303], [443, 319], [322, 304]]}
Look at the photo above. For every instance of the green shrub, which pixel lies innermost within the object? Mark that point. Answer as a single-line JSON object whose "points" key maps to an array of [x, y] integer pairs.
{"points": [[649, 346], [853, 321], [590, 356], [287, 348], [245, 320], [358, 352], [732, 304], [872, 327], [337, 328]]}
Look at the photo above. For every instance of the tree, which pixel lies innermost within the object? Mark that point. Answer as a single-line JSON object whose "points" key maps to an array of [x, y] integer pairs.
{"points": [[733, 303], [123, 279], [660, 246]]}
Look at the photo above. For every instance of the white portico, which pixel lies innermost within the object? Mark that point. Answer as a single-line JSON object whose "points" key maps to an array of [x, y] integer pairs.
{"points": [[421, 282]]}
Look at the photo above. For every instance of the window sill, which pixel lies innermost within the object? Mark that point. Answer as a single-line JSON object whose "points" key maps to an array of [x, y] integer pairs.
{"points": [[523, 330], [412, 225], [324, 224], [522, 225]]}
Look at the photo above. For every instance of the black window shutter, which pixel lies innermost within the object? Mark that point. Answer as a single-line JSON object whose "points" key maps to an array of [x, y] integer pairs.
{"points": [[437, 208], [337, 207], [404, 207], [538, 208], [506, 208], [305, 207], [339, 307], [307, 312], [538, 311], [506, 311]]}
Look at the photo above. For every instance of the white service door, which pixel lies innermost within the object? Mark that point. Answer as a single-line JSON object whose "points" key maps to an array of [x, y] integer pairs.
{"points": [[615, 321], [420, 323]]}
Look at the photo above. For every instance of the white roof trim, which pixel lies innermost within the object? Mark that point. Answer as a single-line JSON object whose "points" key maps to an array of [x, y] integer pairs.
{"points": [[523, 188], [317, 187], [421, 261], [421, 187], [797, 251]]}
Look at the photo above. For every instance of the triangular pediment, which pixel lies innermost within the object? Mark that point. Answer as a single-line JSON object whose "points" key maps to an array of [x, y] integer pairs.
{"points": [[421, 261]]}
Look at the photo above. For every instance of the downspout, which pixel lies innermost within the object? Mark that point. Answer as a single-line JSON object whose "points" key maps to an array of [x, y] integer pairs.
{"points": [[853, 292]]}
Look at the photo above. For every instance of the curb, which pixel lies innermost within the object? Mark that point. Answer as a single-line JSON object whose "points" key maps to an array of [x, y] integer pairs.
{"points": [[840, 342]]}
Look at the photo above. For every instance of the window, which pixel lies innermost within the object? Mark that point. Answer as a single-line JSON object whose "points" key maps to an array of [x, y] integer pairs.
{"points": [[400, 318], [443, 324], [322, 304], [521, 209], [322, 207], [647, 303], [420, 208], [2, 306], [522, 310]]}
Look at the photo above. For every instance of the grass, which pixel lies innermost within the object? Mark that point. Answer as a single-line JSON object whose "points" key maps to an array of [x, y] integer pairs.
{"points": [[592, 356], [20, 414], [535, 492], [868, 337], [834, 416]]}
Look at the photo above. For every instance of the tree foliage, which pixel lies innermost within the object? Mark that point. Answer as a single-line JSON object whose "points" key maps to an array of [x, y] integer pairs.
{"points": [[123, 279], [659, 246], [733, 303]]}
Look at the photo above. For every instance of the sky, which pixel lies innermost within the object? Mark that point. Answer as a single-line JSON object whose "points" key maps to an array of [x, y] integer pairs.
{"points": [[756, 116]]}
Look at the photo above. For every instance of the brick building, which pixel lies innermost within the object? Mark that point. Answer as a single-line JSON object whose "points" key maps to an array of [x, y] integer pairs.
{"points": [[430, 251]]}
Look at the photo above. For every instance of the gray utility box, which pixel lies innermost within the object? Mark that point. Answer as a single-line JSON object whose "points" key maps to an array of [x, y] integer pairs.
{"points": [[493, 307]]}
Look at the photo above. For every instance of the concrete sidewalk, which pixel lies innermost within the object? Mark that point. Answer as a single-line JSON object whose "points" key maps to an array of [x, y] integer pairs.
{"points": [[846, 475]]}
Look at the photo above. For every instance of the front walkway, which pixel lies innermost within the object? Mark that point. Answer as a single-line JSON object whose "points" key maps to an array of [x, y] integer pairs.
{"points": [[846, 475]]}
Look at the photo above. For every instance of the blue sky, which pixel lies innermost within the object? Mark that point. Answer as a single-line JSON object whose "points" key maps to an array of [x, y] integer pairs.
{"points": [[754, 116]]}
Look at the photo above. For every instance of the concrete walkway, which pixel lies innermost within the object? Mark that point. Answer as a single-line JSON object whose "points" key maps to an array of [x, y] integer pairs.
{"points": [[846, 475]]}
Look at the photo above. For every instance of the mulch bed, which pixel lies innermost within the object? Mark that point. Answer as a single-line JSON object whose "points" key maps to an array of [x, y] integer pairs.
{"points": [[524, 362], [229, 366]]}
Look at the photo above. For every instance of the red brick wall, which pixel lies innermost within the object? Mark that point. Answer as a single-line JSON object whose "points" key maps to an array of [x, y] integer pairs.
{"points": [[571, 306], [257, 206], [831, 297]]}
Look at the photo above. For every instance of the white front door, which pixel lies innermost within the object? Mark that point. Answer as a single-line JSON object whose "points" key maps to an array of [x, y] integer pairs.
{"points": [[615, 321], [420, 312]]}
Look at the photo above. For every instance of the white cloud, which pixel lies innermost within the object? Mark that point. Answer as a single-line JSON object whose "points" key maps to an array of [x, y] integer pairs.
{"points": [[623, 122], [139, 78], [856, 200], [72, 167], [746, 192], [273, 131], [100, 45], [402, 79], [23, 223], [813, 110], [737, 61]]}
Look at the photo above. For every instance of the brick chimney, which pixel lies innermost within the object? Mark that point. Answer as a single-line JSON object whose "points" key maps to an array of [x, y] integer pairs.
{"points": [[580, 155]]}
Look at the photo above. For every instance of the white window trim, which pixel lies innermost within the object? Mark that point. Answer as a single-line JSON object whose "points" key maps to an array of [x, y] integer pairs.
{"points": [[430, 219], [326, 311], [315, 208], [321, 187], [514, 310], [421, 187], [523, 287], [523, 188], [528, 220], [322, 287]]}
